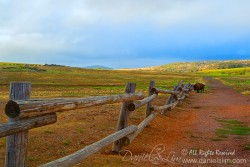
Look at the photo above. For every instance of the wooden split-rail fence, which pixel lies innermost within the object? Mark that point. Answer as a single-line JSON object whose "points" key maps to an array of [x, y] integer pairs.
{"points": [[25, 113]]}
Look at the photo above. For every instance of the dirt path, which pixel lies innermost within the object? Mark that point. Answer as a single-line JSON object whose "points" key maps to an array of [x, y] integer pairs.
{"points": [[188, 132]]}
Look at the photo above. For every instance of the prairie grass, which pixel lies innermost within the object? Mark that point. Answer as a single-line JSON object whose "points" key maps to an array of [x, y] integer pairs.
{"points": [[75, 130], [247, 147], [66, 142], [238, 78], [231, 127], [50, 81]]}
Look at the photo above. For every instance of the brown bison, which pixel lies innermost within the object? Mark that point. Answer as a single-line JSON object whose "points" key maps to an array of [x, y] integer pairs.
{"points": [[199, 87]]}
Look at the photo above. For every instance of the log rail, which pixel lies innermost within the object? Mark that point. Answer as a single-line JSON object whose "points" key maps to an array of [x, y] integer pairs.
{"points": [[29, 108], [25, 114]]}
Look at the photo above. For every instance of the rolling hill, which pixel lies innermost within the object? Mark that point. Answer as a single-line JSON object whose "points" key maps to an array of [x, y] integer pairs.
{"points": [[197, 66], [171, 67], [98, 67]]}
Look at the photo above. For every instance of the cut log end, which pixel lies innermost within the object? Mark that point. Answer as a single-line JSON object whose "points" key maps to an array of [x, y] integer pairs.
{"points": [[12, 109], [125, 141], [151, 108], [153, 90], [131, 107]]}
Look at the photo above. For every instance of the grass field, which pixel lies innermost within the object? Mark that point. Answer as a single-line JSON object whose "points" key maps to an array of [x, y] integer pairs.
{"points": [[61, 81], [238, 78], [91, 124], [88, 125], [76, 82]]}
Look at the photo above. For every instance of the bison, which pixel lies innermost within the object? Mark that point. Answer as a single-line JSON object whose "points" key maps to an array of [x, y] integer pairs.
{"points": [[199, 87]]}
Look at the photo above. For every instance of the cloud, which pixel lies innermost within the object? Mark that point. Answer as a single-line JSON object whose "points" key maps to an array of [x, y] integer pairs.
{"points": [[161, 13], [105, 29], [81, 14]]}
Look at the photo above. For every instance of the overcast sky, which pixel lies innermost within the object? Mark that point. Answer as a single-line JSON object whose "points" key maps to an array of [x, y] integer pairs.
{"points": [[123, 33]]}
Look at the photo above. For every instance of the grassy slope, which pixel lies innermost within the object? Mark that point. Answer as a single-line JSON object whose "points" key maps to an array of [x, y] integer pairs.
{"points": [[199, 66]]}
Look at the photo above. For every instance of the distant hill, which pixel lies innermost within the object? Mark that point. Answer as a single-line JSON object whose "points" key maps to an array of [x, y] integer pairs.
{"points": [[11, 66], [98, 67], [198, 66], [171, 67]]}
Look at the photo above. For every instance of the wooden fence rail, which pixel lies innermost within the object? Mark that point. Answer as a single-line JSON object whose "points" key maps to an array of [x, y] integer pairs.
{"points": [[26, 108], [25, 113], [26, 124], [139, 103]]}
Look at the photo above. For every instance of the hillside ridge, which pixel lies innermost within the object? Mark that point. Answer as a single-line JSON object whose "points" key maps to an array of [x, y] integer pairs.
{"points": [[170, 67], [197, 66]]}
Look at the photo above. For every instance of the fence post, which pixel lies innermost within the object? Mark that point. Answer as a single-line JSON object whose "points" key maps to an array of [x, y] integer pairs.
{"points": [[16, 145], [169, 100], [149, 104], [123, 118], [171, 97]]}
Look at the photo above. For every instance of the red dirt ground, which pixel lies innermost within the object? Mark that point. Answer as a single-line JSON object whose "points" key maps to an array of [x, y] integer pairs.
{"points": [[192, 126], [166, 142]]}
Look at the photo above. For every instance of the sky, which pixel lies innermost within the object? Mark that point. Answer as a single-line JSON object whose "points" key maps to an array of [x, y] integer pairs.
{"points": [[123, 33]]}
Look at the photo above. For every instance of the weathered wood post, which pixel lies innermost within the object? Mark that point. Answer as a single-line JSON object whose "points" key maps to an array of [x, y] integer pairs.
{"points": [[16, 146], [171, 97], [123, 118], [169, 100], [149, 104]]}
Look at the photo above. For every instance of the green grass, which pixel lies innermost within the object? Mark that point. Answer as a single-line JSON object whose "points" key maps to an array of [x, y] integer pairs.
{"points": [[228, 72], [231, 127], [247, 147], [80, 130], [66, 142], [238, 78]]}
